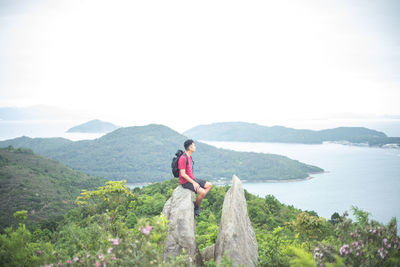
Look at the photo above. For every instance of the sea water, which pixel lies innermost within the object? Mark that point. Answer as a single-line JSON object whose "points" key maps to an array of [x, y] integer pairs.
{"points": [[43, 128], [366, 177]]}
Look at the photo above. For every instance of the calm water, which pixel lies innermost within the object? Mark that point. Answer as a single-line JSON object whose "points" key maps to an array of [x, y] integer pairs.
{"points": [[43, 128], [368, 178]]}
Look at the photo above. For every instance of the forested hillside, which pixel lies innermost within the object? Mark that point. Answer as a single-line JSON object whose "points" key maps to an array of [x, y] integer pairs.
{"points": [[115, 226], [42, 186], [144, 154], [251, 132]]}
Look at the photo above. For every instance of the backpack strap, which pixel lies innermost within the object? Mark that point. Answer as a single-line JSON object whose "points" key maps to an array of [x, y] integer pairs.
{"points": [[187, 159]]}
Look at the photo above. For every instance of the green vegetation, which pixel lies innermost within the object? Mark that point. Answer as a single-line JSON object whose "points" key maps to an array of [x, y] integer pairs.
{"points": [[94, 126], [144, 154], [120, 227], [251, 132], [42, 186]]}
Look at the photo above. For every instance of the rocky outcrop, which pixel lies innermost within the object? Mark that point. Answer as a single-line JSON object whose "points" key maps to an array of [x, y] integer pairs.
{"points": [[179, 210], [236, 236]]}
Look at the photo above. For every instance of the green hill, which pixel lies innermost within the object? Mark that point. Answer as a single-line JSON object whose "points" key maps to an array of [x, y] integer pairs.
{"points": [[94, 126], [251, 132], [144, 154], [43, 187], [115, 226]]}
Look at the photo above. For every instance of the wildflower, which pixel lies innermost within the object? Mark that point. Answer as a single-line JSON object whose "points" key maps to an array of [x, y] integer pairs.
{"points": [[343, 249], [109, 250], [146, 230], [60, 264], [113, 258], [98, 264], [315, 256], [69, 261], [115, 241], [76, 259], [101, 256], [39, 252]]}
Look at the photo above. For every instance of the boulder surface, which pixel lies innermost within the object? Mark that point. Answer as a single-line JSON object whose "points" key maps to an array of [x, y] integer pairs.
{"points": [[236, 236], [179, 210]]}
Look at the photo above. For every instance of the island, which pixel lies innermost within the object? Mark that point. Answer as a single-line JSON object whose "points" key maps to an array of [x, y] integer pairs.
{"points": [[252, 132], [94, 126]]}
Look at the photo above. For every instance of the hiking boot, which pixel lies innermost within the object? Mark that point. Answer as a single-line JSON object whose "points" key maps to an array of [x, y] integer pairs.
{"points": [[196, 210]]}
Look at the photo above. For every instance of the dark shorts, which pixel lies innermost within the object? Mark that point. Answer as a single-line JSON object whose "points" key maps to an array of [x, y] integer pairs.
{"points": [[189, 185]]}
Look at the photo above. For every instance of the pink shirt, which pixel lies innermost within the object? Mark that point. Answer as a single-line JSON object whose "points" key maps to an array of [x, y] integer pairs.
{"points": [[188, 168]]}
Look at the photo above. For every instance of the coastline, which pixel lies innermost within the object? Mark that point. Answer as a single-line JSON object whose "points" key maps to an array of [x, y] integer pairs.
{"points": [[227, 182], [271, 180]]}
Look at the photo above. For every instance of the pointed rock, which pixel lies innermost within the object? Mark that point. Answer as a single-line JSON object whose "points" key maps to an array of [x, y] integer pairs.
{"points": [[236, 236], [179, 210]]}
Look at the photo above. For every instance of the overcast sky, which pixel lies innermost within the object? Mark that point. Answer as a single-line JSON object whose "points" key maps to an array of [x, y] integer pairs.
{"points": [[184, 63]]}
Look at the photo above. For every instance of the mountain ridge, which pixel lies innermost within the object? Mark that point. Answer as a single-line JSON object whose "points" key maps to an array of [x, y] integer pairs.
{"points": [[252, 132], [144, 154]]}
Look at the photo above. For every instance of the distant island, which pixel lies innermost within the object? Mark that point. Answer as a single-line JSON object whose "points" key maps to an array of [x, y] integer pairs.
{"points": [[144, 153], [251, 132], [94, 126]]}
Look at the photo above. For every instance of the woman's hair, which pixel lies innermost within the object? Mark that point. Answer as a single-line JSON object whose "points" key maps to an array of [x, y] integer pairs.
{"points": [[188, 143]]}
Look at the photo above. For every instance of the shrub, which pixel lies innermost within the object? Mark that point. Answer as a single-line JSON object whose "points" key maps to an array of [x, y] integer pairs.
{"points": [[363, 243]]}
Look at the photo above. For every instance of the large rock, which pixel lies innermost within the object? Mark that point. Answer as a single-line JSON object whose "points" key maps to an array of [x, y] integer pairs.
{"points": [[236, 236], [179, 210], [208, 253]]}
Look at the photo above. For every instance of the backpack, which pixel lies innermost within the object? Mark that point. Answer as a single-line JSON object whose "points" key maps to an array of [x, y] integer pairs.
{"points": [[174, 164]]}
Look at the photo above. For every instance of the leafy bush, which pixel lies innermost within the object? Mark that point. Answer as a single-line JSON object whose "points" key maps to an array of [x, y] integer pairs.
{"points": [[116, 226], [18, 249], [363, 243]]}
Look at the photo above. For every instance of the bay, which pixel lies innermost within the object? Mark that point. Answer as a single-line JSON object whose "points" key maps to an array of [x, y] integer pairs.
{"points": [[366, 177]]}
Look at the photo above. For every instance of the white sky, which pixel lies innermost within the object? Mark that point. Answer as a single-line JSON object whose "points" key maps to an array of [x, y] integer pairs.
{"points": [[184, 63]]}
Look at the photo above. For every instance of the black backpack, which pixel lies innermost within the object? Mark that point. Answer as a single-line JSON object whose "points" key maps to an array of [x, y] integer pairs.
{"points": [[174, 164]]}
